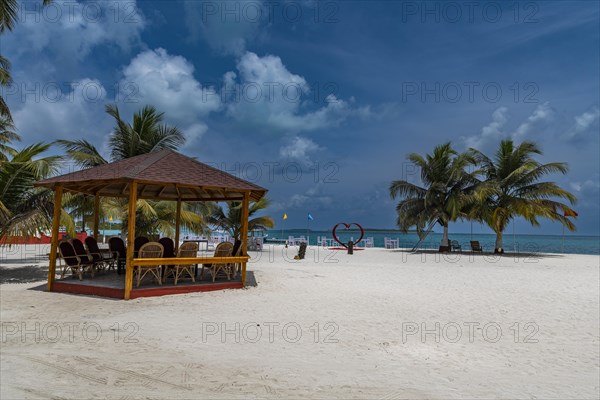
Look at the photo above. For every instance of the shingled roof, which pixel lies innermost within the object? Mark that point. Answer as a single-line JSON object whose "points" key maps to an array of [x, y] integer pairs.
{"points": [[164, 174]]}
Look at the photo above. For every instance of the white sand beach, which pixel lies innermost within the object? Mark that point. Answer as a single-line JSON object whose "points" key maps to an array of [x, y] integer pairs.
{"points": [[330, 326]]}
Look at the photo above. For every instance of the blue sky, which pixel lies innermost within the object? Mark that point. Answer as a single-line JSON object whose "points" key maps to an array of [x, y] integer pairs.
{"points": [[320, 102]]}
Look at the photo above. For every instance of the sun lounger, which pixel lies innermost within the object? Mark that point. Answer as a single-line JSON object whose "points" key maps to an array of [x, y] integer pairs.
{"points": [[476, 247], [454, 245]]}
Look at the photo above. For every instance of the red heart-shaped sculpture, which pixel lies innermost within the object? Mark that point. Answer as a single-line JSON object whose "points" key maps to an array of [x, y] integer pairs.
{"points": [[362, 233]]}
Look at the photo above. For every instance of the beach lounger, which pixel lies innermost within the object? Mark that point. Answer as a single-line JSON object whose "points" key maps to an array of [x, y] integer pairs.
{"points": [[149, 250], [476, 247], [77, 264], [186, 250], [454, 245], [223, 249]]}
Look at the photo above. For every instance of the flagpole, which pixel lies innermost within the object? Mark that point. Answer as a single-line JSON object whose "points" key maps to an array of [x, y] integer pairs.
{"points": [[307, 224]]}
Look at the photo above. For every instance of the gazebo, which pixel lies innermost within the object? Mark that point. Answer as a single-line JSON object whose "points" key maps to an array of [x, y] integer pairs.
{"points": [[162, 175]]}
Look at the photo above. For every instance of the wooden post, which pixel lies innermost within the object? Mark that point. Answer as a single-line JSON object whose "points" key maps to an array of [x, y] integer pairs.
{"points": [[58, 191], [244, 233], [130, 239], [96, 215], [177, 224]]}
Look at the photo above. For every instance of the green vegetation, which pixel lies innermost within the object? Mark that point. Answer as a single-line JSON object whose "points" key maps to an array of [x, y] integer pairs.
{"points": [[444, 193], [497, 191], [145, 135], [27, 211], [229, 220]]}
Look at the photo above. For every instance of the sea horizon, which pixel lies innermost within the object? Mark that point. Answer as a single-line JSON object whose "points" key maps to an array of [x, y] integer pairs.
{"points": [[519, 242]]}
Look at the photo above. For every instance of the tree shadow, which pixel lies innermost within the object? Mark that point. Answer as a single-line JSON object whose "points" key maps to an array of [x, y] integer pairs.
{"points": [[26, 274]]}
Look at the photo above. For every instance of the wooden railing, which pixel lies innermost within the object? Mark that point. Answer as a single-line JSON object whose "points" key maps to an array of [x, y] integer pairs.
{"points": [[189, 260], [181, 261]]}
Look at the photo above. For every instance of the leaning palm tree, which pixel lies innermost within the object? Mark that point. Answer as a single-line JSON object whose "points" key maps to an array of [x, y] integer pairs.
{"points": [[146, 134], [230, 220], [512, 189], [441, 199], [25, 210]]}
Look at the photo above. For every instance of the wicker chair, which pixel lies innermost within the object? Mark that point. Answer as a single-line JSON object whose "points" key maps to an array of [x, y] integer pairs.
{"points": [[119, 251], [186, 250], [149, 250], [73, 261], [138, 242], [223, 249], [105, 257]]}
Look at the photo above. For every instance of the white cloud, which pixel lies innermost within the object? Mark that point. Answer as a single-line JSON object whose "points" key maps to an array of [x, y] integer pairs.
{"points": [[587, 191], [69, 30], [490, 133], [167, 82], [299, 149], [265, 94], [537, 120], [71, 114], [495, 131], [583, 123]]}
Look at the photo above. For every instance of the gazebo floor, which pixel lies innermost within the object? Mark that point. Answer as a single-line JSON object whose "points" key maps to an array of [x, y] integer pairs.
{"points": [[110, 284]]}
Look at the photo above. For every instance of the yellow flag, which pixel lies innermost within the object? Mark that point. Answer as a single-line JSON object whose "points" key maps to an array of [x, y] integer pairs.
{"points": [[110, 218], [284, 216]]}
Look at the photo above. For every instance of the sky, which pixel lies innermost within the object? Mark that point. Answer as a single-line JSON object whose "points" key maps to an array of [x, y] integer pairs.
{"points": [[320, 102]]}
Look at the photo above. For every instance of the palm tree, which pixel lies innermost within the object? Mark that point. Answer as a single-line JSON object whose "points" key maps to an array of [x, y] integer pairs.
{"points": [[512, 188], [5, 81], [441, 199], [7, 135], [8, 18], [8, 13], [25, 210], [230, 220], [147, 134]]}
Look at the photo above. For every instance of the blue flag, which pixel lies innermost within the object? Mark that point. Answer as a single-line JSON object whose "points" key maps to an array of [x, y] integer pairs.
{"points": [[310, 217]]}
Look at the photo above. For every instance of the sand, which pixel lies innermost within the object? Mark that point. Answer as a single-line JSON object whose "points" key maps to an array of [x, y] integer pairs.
{"points": [[331, 326]]}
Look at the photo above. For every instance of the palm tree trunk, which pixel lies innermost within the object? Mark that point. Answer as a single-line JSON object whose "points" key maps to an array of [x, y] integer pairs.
{"points": [[499, 248], [445, 237]]}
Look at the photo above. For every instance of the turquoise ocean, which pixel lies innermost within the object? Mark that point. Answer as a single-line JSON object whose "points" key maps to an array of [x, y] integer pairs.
{"points": [[572, 244]]}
